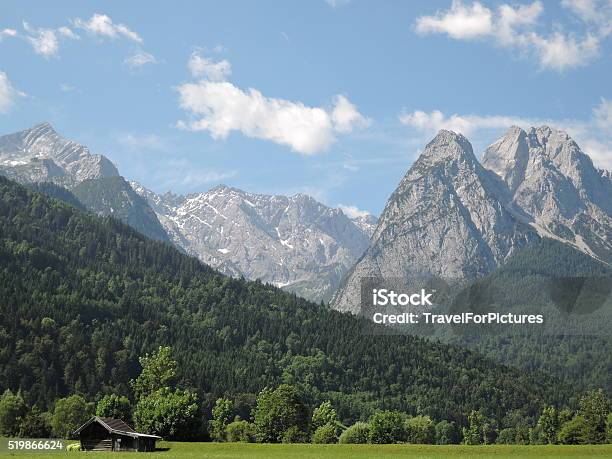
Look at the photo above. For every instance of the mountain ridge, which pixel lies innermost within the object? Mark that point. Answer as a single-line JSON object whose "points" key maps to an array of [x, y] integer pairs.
{"points": [[294, 242], [67, 160], [455, 217]]}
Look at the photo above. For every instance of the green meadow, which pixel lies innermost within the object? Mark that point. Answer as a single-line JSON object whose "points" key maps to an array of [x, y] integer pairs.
{"points": [[307, 451]]}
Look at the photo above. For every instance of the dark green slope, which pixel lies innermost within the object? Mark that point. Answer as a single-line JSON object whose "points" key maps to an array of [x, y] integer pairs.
{"points": [[81, 297], [58, 192], [113, 196], [552, 273]]}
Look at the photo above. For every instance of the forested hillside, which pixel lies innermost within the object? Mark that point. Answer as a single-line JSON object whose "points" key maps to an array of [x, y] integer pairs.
{"points": [[81, 297], [552, 272]]}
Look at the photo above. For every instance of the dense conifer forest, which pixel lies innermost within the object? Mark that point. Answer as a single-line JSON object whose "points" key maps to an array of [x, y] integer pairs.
{"points": [[552, 273], [82, 297]]}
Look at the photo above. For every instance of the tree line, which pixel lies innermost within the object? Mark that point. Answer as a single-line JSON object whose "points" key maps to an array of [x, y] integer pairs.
{"points": [[158, 406]]}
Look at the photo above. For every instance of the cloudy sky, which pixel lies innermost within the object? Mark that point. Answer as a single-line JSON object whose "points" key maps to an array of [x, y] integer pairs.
{"points": [[332, 98]]}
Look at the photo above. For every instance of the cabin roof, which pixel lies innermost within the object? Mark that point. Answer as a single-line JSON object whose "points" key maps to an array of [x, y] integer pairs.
{"points": [[116, 426]]}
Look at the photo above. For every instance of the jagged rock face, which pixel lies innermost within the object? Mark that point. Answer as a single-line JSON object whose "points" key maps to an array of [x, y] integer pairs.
{"points": [[293, 242], [40, 154], [446, 218], [367, 223], [115, 197], [556, 185]]}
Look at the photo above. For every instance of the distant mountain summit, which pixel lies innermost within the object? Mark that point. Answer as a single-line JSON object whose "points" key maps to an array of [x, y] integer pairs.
{"points": [[292, 242], [446, 218], [40, 154], [455, 218], [557, 186], [367, 223]]}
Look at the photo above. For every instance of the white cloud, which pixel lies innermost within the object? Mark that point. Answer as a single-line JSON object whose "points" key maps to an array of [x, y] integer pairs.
{"points": [[68, 33], [220, 107], [353, 211], [460, 22], [46, 41], [587, 10], [139, 59], [202, 67], [560, 52], [7, 33], [511, 19], [600, 151], [103, 26], [603, 114], [512, 27], [223, 107], [8, 94], [345, 115]]}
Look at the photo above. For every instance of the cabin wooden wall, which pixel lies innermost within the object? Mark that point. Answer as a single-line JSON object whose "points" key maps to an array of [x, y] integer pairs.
{"points": [[94, 437]]}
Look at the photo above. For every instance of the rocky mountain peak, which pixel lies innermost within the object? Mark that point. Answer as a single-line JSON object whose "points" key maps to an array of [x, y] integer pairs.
{"points": [[43, 128], [21, 152], [296, 242], [508, 157], [447, 218], [556, 184], [447, 146], [456, 218]]}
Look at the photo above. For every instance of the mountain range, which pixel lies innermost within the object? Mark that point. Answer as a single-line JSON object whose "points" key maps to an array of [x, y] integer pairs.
{"points": [[292, 242], [451, 216], [40, 155], [459, 219]]}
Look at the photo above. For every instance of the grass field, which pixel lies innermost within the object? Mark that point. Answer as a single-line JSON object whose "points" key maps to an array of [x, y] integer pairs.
{"points": [[295, 451]]}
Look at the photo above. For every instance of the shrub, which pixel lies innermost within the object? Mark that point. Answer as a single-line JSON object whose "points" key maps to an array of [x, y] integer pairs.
{"points": [[12, 411], [221, 416], [69, 414], [172, 414], [115, 406], [447, 433], [387, 427], [506, 436], [549, 423], [294, 435], [536, 435], [480, 431], [594, 408], [326, 434], [242, 431], [358, 433], [420, 430], [73, 447], [574, 432], [277, 411], [35, 424], [324, 414]]}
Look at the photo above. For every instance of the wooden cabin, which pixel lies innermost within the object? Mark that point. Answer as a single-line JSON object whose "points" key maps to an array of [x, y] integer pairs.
{"points": [[107, 434]]}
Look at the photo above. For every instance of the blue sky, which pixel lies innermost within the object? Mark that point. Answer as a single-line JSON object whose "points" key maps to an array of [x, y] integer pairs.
{"points": [[331, 98]]}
